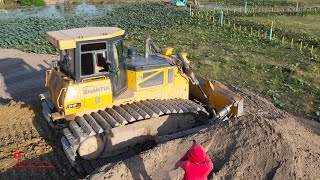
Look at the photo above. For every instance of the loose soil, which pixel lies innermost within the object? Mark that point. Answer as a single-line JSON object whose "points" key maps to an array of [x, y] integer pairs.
{"points": [[22, 125], [23, 129], [265, 143]]}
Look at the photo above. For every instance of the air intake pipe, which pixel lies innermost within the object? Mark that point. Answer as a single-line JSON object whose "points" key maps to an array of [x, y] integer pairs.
{"points": [[150, 45]]}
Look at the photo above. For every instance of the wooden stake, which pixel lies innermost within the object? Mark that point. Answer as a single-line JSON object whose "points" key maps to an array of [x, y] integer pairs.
{"points": [[282, 41], [311, 49], [251, 31], [301, 47], [291, 43]]}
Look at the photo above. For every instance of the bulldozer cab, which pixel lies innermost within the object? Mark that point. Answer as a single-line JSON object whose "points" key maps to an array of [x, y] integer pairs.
{"points": [[85, 56]]}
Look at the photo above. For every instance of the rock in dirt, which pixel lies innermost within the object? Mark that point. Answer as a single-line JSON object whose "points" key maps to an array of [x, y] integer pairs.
{"points": [[265, 143]]}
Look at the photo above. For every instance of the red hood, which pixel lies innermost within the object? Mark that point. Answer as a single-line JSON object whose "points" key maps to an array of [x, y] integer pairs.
{"points": [[196, 154]]}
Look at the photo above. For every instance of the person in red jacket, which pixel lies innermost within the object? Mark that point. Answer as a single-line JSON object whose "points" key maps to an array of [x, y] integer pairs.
{"points": [[196, 163]]}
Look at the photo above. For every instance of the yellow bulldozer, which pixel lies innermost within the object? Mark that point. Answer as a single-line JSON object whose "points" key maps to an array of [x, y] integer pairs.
{"points": [[106, 101]]}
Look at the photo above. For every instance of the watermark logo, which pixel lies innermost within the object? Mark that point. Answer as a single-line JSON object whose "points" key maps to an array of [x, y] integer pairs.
{"points": [[30, 163], [17, 155]]}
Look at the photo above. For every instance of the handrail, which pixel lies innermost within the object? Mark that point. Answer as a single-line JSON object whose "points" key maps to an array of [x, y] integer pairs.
{"points": [[58, 99], [91, 78]]}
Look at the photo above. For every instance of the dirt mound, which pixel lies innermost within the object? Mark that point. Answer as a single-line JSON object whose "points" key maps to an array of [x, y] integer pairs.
{"points": [[265, 143], [24, 129]]}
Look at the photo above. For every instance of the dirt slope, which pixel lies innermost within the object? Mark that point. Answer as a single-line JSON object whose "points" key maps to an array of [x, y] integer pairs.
{"points": [[265, 143]]}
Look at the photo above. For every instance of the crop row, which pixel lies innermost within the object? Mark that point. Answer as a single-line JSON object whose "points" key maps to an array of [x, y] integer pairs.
{"points": [[282, 33], [267, 11], [28, 33]]}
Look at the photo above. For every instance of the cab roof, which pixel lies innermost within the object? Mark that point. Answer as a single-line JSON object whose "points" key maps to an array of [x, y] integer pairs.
{"points": [[66, 39]]}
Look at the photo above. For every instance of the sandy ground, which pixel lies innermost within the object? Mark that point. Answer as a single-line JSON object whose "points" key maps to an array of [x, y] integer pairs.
{"points": [[265, 143], [23, 129], [22, 75], [22, 125]]}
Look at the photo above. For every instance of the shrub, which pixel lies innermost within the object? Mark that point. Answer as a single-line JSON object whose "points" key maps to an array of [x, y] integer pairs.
{"points": [[9, 1], [32, 2]]}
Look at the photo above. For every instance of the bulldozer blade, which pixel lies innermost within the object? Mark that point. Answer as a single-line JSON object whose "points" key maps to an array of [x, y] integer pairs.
{"points": [[219, 96]]}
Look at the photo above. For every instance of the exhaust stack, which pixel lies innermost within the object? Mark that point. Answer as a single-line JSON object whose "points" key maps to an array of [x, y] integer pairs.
{"points": [[147, 47]]}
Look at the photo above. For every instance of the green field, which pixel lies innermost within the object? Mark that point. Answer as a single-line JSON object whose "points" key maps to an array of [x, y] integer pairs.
{"points": [[309, 24], [261, 2], [282, 75]]}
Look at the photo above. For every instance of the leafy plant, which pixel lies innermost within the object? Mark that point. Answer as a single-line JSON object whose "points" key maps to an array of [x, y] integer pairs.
{"points": [[224, 54], [32, 2]]}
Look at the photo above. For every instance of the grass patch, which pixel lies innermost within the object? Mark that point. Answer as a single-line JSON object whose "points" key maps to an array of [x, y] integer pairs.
{"points": [[309, 24], [270, 3], [284, 76], [291, 81]]}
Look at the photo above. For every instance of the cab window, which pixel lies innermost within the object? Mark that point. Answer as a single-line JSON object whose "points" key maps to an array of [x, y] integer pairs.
{"points": [[94, 59], [67, 60], [119, 67]]}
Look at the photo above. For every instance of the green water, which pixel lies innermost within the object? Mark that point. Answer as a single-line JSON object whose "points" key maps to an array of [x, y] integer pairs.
{"points": [[57, 11]]}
